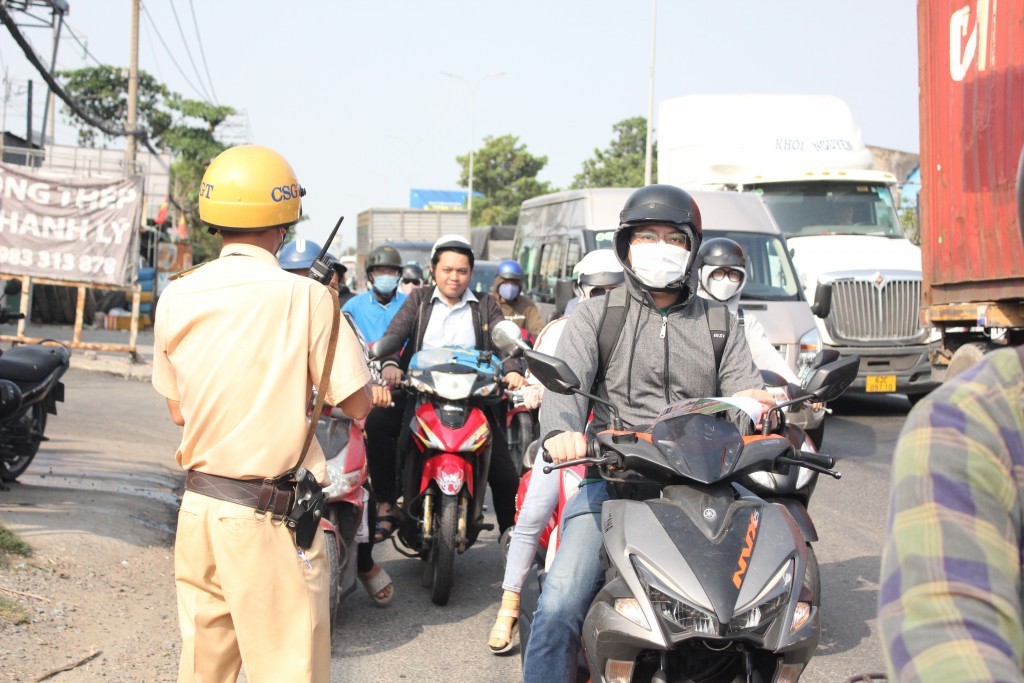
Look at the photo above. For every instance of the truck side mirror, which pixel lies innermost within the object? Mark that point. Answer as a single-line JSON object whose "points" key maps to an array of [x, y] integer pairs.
{"points": [[822, 305]]}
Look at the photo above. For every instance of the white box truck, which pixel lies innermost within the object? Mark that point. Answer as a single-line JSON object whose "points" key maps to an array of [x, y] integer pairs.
{"points": [[804, 156]]}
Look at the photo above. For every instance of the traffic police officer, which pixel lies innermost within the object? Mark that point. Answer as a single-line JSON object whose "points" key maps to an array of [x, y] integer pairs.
{"points": [[239, 344]]}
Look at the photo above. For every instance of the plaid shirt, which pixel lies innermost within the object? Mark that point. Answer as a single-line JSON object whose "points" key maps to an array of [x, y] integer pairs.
{"points": [[950, 603]]}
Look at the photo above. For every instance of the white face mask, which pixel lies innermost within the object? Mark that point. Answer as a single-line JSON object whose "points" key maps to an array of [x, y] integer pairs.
{"points": [[658, 265], [724, 290]]}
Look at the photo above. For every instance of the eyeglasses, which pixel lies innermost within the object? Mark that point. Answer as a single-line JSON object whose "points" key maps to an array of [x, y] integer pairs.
{"points": [[722, 273], [675, 239], [411, 282]]}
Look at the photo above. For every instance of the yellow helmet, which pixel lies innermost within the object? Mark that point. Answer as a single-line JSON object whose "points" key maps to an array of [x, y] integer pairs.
{"points": [[249, 187]]}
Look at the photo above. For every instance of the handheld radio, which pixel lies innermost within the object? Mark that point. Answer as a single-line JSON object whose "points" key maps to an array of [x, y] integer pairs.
{"points": [[322, 269]]}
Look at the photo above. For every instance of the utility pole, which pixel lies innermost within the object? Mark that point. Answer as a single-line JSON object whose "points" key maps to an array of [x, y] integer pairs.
{"points": [[48, 108], [133, 93], [650, 101]]}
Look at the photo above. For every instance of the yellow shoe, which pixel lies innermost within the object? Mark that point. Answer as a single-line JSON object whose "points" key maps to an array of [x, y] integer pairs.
{"points": [[506, 625]]}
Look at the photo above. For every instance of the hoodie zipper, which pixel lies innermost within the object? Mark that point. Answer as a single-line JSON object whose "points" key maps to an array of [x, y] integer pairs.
{"points": [[664, 328]]}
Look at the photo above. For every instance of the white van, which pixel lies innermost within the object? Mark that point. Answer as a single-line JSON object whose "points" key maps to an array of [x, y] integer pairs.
{"points": [[555, 230]]}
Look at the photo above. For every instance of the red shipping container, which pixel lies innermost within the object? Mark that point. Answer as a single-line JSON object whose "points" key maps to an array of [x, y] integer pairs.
{"points": [[971, 64]]}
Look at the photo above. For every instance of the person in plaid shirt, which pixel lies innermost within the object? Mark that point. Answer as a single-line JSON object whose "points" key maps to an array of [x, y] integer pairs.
{"points": [[950, 605]]}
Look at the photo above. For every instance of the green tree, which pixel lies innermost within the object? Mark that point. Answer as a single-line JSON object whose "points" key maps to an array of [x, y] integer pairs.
{"points": [[622, 164], [182, 127], [505, 173]]}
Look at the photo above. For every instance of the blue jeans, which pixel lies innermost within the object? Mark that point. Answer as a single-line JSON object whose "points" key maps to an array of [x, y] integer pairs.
{"points": [[575, 578]]}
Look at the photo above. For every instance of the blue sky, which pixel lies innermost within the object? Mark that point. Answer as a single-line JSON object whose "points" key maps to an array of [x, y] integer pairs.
{"points": [[352, 93]]}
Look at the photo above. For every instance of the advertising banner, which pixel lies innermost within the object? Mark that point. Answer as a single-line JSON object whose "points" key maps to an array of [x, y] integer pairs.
{"points": [[74, 229]]}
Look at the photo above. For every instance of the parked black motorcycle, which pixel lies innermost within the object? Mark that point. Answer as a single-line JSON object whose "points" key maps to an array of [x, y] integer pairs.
{"points": [[30, 387]]}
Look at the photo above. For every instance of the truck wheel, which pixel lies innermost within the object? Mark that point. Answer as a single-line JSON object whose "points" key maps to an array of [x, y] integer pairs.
{"points": [[968, 355]]}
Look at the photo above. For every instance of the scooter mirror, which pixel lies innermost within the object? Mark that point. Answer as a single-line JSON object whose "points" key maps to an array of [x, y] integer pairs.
{"points": [[824, 357], [773, 379], [552, 372], [386, 346], [830, 380], [506, 335]]}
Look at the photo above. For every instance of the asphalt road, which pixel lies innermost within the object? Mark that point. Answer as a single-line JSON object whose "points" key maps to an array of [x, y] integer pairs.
{"points": [[414, 640]]}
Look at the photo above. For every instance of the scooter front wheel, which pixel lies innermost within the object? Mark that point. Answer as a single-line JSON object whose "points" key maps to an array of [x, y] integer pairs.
{"points": [[19, 457], [334, 574], [442, 550]]}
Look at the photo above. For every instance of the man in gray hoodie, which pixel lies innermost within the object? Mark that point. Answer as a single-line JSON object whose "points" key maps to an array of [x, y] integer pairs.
{"points": [[664, 354]]}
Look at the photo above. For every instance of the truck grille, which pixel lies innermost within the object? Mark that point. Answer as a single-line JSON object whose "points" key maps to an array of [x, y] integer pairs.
{"points": [[864, 311]]}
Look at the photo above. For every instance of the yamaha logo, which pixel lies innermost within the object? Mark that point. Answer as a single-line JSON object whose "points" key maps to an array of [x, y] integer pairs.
{"points": [[709, 514]]}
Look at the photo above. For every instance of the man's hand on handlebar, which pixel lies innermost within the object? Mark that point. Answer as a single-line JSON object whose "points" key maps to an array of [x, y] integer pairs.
{"points": [[566, 446], [381, 396], [766, 399], [392, 375], [514, 380]]}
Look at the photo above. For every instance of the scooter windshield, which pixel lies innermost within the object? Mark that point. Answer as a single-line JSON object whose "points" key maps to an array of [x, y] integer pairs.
{"points": [[444, 355], [700, 447]]}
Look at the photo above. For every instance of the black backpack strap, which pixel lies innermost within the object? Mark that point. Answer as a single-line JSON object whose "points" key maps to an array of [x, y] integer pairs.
{"points": [[718, 323], [609, 329], [739, 316], [481, 325]]}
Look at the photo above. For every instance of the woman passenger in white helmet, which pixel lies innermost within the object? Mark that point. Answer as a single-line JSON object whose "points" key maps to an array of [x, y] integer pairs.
{"points": [[595, 274]]}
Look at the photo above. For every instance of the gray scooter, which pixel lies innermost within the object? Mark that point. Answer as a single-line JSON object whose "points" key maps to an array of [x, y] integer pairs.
{"points": [[711, 578]]}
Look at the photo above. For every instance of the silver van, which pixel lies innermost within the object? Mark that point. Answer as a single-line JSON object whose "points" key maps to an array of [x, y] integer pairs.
{"points": [[555, 230]]}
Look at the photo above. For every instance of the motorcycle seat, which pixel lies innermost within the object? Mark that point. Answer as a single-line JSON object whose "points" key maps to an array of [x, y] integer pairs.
{"points": [[31, 363]]}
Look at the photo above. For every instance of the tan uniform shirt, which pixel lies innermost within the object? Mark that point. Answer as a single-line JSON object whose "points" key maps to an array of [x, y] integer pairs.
{"points": [[240, 342]]}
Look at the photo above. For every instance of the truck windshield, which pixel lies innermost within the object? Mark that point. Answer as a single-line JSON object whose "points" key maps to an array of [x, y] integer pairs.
{"points": [[770, 275], [824, 208]]}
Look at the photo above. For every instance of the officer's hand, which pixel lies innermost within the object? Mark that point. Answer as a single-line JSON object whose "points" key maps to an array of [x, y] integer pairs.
{"points": [[566, 446], [533, 394], [766, 399], [514, 380], [381, 396], [392, 375]]}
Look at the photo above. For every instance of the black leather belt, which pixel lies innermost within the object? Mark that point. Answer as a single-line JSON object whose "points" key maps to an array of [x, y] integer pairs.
{"points": [[269, 496]]}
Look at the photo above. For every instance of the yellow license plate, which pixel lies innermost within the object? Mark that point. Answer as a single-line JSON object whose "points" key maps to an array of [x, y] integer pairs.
{"points": [[881, 383]]}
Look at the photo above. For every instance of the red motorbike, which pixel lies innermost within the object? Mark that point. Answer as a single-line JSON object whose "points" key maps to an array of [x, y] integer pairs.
{"points": [[345, 518], [445, 472]]}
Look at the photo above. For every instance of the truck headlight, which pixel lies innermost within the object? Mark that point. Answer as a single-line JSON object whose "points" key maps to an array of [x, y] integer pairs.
{"points": [[809, 345]]}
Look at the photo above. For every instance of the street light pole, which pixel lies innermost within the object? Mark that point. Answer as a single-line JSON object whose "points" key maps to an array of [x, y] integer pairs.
{"points": [[472, 130], [650, 101]]}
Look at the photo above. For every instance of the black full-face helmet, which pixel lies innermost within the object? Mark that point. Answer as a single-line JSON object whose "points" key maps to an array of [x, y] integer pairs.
{"points": [[662, 205], [721, 252]]}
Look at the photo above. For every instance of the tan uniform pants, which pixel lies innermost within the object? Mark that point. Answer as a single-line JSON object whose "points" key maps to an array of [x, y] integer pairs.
{"points": [[246, 594]]}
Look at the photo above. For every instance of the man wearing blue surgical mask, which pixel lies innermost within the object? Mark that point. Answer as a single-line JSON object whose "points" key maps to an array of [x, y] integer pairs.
{"points": [[516, 306], [374, 309]]}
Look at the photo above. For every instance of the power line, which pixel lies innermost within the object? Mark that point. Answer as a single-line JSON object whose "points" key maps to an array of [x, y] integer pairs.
{"points": [[59, 91], [184, 42], [168, 50], [85, 48], [202, 52], [156, 62]]}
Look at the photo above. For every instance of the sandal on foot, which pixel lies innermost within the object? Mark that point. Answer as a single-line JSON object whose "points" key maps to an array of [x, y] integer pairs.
{"points": [[377, 583], [381, 533], [503, 632]]}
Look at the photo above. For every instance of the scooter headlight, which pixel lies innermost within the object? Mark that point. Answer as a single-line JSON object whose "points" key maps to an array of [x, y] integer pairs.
{"points": [[679, 614], [488, 389], [341, 482], [420, 386], [768, 603], [630, 608], [453, 386]]}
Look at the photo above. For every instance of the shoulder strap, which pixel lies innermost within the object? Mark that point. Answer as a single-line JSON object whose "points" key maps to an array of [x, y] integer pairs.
{"points": [[609, 329], [325, 377], [740, 318], [718, 323], [481, 322]]}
